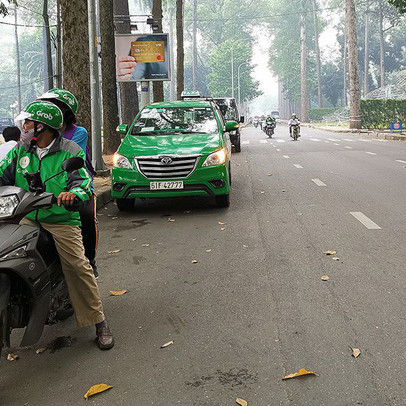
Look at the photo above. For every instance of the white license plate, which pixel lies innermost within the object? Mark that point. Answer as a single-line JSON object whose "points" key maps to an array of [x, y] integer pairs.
{"points": [[166, 185]]}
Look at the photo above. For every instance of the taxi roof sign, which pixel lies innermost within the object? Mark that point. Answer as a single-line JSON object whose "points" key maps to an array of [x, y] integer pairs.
{"points": [[190, 94]]}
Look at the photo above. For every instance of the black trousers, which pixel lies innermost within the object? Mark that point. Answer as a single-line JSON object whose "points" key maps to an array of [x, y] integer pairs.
{"points": [[90, 229]]}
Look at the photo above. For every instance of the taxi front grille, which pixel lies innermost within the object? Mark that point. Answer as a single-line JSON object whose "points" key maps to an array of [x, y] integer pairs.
{"points": [[167, 166]]}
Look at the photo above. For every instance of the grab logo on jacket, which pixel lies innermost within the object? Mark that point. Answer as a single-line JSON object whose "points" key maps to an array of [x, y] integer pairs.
{"points": [[24, 161]]}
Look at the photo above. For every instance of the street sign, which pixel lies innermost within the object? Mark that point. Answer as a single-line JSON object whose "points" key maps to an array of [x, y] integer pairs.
{"points": [[396, 126]]}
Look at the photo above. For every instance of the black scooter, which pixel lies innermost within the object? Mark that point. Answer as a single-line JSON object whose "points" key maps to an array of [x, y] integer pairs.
{"points": [[33, 291]]}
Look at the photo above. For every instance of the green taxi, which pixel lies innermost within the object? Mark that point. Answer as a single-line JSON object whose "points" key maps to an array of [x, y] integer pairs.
{"points": [[179, 148]]}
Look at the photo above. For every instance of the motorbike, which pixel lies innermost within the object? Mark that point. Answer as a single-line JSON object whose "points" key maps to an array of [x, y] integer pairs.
{"points": [[33, 292], [270, 129], [295, 131], [256, 123]]}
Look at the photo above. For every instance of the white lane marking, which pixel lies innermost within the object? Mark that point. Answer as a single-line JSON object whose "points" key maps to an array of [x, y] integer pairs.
{"points": [[327, 142], [245, 142], [263, 141], [314, 139], [370, 153], [347, 139], [280, 140], [278, 149], [366, 221], [348, 147], [333, 139], [318, 182], [298, 166], [286, 156], [361, 139], [336, 144], [402, 162]]}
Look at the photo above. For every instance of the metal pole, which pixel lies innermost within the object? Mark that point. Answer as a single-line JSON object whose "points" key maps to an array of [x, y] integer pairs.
{"points": [[232, 71], [239, 86], [97, 159], [18, 61], [145, 95], [58, 46]]}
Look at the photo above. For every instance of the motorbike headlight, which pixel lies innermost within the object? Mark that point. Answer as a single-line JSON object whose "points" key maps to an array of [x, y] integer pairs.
{"points": [[8, 205], [19, 252], [216, 158], [120, 161]]}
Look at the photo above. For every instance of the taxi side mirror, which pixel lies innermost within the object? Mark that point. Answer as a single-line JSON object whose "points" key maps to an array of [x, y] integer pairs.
{"points": [[231, 126], [122, 129]]}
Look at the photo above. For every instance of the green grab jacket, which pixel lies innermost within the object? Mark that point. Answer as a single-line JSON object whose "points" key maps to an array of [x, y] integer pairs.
{"points": [[21, 159]]}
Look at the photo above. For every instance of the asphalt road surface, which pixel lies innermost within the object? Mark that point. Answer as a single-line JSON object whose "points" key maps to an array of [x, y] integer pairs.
{"points": [[253, 308]]}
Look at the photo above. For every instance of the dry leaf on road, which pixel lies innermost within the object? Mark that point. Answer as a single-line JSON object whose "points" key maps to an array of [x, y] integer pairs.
{"points": [[330, 252], [356, 352], [114, 218], [12, 357], [118, 292], [222, 223], [208, 250], [301, 372], [241, 402], [335, 259], [222, 228], [113, 252], [262, 192], [145, 245], [167, 344], [171, 220], [95, 389], [41, 350], [194, 261], [325, 278], [270, 174]]}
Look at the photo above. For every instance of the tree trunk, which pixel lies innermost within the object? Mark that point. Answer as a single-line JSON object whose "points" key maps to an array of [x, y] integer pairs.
{"points": [[111, 140], [128, 91], [318, 62], [381, 46], [345, 68], [76, 74], [46, 32], [366, 56], [180, 52], [58, 46], [355, 105], [158, 87], [304, 103], [194, 49], [172, 83], [19, 107]]}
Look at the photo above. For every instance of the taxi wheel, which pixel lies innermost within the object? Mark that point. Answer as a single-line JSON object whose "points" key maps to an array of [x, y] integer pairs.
{"points": [[125, 204], [223, 200], [237, 147]]}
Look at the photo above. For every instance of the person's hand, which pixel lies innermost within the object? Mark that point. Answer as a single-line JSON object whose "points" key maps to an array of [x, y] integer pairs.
{"points": [[66, 199], [125, 67]]}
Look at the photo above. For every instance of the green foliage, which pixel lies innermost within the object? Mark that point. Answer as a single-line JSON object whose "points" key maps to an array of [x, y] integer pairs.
{"points": [[379, 113], [321, 114], [399, 4], [332, 83]]}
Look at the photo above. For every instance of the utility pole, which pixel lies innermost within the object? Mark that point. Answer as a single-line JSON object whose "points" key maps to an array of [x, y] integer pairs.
{"points": [[355, 104], [180, 52], [232, 71], [239, 84], [58, 46], [318, 62], [304, 107], [194, 52], [366, 55], [158, 86], [46, 35], [17, 60], [97, 159], [172, 83]]}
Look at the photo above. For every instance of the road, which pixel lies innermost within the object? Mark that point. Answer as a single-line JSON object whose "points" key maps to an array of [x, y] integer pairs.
{"points": [[253, 308]]}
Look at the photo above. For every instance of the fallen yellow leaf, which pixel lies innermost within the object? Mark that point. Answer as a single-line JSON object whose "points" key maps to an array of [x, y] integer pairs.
{"points": [[208, 250], [330, 252], [12, 357], [40, 350], [222, 228], [269, 174], [221, 223], [118, 292], [325, 278], [113, 252], [356, 352], [241, 402], [95, 389], [167, 344], [171, 220], [194, 261], [301, 372]]}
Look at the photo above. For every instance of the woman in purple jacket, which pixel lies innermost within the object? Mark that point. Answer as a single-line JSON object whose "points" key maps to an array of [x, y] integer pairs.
{"points": [[68, 103]]}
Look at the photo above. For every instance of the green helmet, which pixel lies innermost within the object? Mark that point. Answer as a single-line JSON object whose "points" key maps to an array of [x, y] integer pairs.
{"points": [[42, 112], [64, 96]]}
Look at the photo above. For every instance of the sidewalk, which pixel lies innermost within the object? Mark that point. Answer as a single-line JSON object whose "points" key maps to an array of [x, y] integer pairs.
{"points": [[102, 184], [372, 134]]}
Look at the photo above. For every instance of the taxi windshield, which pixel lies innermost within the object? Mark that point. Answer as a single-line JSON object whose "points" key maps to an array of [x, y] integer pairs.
{"points": [[175, 120]]}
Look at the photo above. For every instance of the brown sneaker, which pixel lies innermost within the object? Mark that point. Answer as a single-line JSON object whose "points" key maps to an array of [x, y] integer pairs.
{"points": [[104, 339]]}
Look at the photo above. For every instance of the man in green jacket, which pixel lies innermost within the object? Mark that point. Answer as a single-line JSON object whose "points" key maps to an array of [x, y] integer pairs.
{"points": [[43, 149]]}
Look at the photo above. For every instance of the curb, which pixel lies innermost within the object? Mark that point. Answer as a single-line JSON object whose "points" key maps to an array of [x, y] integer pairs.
{"points": [[103, 197]]}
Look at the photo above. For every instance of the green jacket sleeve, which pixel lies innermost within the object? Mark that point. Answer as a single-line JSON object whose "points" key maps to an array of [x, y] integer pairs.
{"points": [[79, 182], [8, 168]]}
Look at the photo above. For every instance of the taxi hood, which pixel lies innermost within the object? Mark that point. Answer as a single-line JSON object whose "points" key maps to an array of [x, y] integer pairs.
{"points": [[174, 144]]}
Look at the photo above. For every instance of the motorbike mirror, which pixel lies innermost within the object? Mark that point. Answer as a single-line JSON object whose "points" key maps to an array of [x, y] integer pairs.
{"points": [[72, 164]]}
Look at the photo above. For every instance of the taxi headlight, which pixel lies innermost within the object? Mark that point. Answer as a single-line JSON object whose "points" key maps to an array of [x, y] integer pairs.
{"points": [[216, 158], [120, 161], [8, 205]]}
